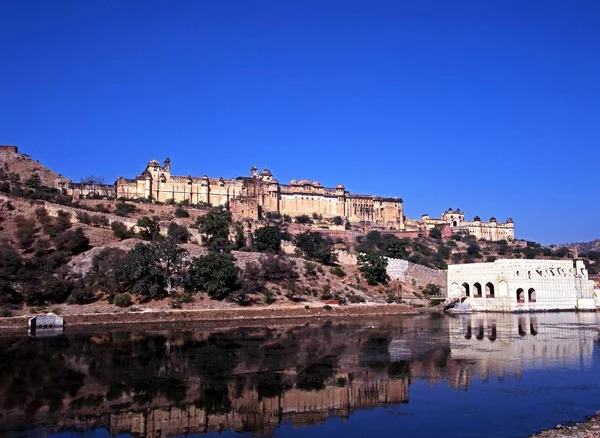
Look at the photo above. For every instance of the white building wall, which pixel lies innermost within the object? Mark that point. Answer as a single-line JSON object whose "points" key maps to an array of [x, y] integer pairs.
{"points": [[521, 285]]}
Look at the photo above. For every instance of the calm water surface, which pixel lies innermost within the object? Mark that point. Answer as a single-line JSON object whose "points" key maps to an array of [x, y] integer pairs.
{"points": [[470, 376]]}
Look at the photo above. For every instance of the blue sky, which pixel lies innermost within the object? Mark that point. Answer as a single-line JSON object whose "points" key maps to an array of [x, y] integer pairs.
{"points": [[490, 106]]}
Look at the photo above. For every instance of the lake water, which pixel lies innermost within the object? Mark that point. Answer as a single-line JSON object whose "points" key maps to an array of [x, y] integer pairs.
{"points": [[469, 376]]}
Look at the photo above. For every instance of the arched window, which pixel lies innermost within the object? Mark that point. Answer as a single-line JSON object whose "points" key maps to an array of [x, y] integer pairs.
{"points": [[520, 295], [531, 295], [489, 291], [466, 290], [477, 290]]}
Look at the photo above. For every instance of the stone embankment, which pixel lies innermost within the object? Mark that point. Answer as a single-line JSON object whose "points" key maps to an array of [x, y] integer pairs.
{"points": [[246, 314], [416, 275], [588, 429]]}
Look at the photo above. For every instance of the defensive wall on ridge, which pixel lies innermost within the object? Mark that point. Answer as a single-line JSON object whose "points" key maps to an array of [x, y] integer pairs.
{"points": [[416, 275]]}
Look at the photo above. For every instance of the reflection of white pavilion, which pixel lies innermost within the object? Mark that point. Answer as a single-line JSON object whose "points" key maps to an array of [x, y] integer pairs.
{"points": [[502, 343]]}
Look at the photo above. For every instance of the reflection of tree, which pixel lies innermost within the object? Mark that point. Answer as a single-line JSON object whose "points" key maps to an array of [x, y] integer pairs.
{"points": [[213, 361], [270, 384], [375, 353], [136, 367], [400, 369], [312, 377], [33, 373]]}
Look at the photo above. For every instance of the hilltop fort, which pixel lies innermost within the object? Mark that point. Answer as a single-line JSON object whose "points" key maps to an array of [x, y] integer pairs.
{"points": [[260, 193]]}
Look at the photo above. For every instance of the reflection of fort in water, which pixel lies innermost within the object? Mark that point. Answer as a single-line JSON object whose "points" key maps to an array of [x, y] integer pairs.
{"points": [[372, 364]]}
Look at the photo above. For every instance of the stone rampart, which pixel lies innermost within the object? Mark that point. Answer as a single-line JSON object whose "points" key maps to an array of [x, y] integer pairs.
{"points": [[416, 275]]}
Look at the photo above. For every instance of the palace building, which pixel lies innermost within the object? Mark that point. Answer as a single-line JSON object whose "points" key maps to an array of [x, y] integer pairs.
{"points": [[264, 192], [453, 222]]}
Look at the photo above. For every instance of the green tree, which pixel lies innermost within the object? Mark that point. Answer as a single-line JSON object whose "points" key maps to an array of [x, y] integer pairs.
{"points": [[397, 248], [214, 226], [215, 273], [178, 233], [276, 268], [72, 242], [313, 246], [303, 219], [34, 181], [152, 270], [267, 239], [120, 230], [473, 250], [338, 220], [149, 228], [373, 267], [26, 232], [103, 274], [432, 289], [181, 213], [124, 209], [435, 233]]}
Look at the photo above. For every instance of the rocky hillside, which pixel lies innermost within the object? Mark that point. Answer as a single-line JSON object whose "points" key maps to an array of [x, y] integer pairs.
{"points": [[585, 248], [24, 166]]}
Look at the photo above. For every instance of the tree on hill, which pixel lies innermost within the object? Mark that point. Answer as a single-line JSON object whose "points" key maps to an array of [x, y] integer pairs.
{"points": [[435, 233], [268, 239], [313, 246], [34, 181], [152, 270], [178, 233], [149, 228], [373, 267], [214, 226], [303, 219], [215, 273], [72, 242]]}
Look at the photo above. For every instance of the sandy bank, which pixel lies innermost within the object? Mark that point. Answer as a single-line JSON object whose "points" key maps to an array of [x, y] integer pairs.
{"points": [[238, 314], [587, 429]]}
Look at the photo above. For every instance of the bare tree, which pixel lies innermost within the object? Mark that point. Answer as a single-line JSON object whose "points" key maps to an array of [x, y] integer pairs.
{"points": [[94, 180]]}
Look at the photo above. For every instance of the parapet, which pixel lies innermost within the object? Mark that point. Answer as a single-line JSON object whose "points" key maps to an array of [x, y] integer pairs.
{"points": [[9, 148]]}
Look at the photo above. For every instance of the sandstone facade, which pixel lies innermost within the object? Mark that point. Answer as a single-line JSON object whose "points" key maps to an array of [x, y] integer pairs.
{"points": [[296, 198], [453, 221], [512, 285]]}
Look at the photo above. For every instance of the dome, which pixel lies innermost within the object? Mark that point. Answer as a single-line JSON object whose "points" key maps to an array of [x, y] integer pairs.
{"points": [[292, 182], [510, 220], [493, 219], [153, 163], [477, 219], [340, 186], [317, 183], [304, 182], [266, 172]]}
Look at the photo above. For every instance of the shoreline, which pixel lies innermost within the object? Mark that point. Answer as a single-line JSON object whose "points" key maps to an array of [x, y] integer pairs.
{"points": [[590, 428], [215, 315]]}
